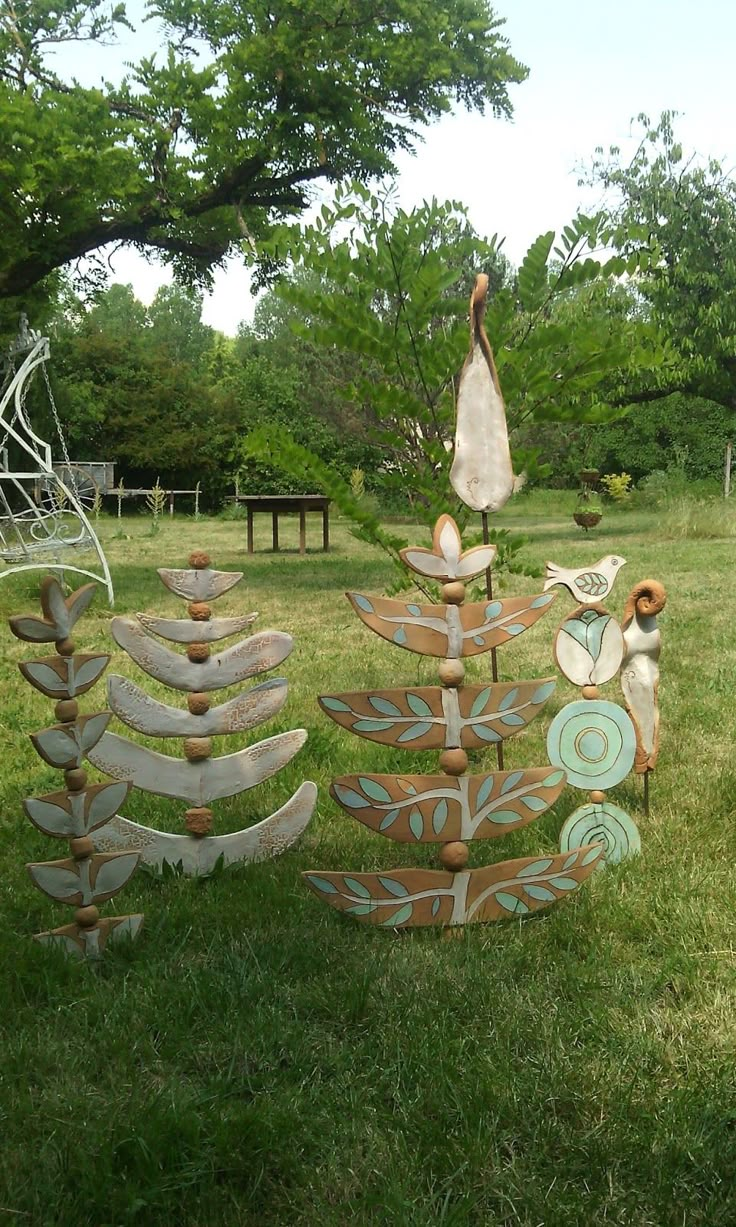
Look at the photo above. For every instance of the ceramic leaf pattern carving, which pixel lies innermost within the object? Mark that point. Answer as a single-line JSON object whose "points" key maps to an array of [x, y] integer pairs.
{"points": [[436, 630], [429, 717], [438, 808], [398, 898]]}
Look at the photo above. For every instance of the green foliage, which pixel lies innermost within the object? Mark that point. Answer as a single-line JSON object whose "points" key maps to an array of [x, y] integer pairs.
{"points": [[357, 483], [617, 486], [389, 288], [199, 147], [684, 210]]}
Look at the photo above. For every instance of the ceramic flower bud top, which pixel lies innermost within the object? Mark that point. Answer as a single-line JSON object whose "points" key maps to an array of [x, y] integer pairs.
{"points": [[481, 473]]}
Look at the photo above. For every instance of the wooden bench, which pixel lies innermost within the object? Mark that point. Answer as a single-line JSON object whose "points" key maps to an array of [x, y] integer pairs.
{"points": [[279, 504]]}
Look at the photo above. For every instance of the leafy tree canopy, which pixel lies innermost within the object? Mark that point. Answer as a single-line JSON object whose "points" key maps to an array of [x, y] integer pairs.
{"points": [[200, 146], [684, 209], [391, 287]]}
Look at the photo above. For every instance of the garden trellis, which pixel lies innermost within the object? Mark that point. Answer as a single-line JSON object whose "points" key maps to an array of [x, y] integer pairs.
{"points": [[43, 521]]}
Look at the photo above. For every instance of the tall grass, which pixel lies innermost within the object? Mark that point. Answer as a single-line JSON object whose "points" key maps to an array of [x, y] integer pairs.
{"points": [[698, 519]]}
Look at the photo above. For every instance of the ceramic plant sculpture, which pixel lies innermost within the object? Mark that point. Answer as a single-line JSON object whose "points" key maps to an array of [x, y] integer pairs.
{"points": [[481, 473], [640, 672], [76, 812], [450, 807], [593, 740], [199, 778]]}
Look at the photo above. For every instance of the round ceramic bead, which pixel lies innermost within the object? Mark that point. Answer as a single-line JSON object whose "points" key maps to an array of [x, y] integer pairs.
{"points": [[199, 611], [81, 848], [87, 917], [198, 652], [597, 796], [451, 672], [198, 821], [453, 593], [75, 779], [65, 647], [454, 856], [199, 560], [591, 692], [197, 748], [66, 710], [454, 762], [198, 703]]}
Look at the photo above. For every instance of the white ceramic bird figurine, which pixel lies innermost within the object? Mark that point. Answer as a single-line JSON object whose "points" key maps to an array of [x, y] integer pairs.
{"points": [[588, 585]]}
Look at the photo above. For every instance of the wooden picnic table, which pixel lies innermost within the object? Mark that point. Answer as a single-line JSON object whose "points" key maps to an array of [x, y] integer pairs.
{"points": [[279, 504]]}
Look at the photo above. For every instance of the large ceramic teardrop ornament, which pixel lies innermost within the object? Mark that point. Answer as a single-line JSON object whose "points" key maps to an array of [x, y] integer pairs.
{"points": [[481, 473]]}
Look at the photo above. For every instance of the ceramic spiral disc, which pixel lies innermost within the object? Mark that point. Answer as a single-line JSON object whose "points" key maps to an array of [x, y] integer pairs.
{"points": [[605, 824], [594, 742]]}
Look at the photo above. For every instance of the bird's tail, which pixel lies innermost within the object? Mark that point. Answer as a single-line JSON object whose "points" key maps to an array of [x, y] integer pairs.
{"points": [[552, 572]]}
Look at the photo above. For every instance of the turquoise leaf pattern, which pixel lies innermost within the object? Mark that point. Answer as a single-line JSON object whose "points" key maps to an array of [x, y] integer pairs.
{"points": [[348, 797], [400, 917], [373, 789], [479, 702], [384, 706], [392, 886], [414, 731], [588, 630], [508, 700], [486, 734], [416, 823], [357, 888], [439, 817], [334, 704], [511, 903], [322, 884], [418, 705], [510, 782]]}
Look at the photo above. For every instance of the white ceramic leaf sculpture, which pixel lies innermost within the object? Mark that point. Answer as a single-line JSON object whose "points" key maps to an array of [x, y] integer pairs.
{"points": [[481, 474], [200, 777], [146, 715], [197, 782]]}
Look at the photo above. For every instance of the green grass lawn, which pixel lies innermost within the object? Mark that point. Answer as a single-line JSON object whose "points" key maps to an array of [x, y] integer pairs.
{"points": [[257, 1059]]}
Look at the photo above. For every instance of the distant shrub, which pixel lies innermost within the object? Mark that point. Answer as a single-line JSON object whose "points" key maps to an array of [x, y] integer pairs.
{"points": [[617, 486]]}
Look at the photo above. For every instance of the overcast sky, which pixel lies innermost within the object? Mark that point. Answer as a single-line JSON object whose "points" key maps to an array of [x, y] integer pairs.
{"points": [[593, 66]]}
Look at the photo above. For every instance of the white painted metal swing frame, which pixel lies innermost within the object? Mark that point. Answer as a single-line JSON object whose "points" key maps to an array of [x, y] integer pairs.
{"points": [[37, 538]]}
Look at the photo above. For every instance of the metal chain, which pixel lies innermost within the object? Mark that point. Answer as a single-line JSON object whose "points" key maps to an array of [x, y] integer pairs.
{"points": [[57, 421]]}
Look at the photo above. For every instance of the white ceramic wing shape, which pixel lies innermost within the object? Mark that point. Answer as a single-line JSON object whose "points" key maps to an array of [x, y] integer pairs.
{"points": [[255, 655], [202, 585], [184, 630], [481, 473], [260, 842], [146, 715], [198, 782]]}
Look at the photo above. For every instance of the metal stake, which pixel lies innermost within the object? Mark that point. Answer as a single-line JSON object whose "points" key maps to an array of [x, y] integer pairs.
{"points": [[494, 657]]}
